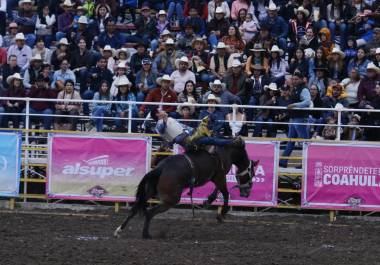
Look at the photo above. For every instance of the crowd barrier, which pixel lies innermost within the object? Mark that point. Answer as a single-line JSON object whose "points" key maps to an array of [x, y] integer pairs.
{"points": [[95, 167]]}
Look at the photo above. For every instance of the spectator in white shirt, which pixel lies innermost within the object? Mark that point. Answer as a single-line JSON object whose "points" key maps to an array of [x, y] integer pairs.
{"points": [[22, 51], [183, 74]]}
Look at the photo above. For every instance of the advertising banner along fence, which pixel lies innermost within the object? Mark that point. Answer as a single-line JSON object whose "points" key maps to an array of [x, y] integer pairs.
{"points": [[96, 167], [341, 177], [10, 164], [264, 189]]}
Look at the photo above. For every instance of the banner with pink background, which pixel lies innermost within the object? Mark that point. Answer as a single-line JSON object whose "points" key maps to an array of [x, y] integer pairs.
{"points": [[96, 167], [341, 177], [264, 189]]}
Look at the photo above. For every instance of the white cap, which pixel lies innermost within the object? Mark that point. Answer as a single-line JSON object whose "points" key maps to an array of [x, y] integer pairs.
{"points": [[63, 41]]}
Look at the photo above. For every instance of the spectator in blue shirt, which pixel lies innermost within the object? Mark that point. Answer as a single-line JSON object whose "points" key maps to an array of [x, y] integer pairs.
{"points": [[100, 109]]}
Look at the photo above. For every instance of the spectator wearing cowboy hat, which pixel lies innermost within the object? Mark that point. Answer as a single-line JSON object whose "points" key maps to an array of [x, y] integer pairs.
{"points": [[122, 56], [26, 19], [83, 31], [65, 20], [279, 27], [217, 28], [353, 132], [298, 27], [218, 89], [145, 79], [258, 56], [336, 64], [162, 94], [137, 58], [31, 73], [278, 66], [235, 81], [40, 49], [16, 89], [109, 53], [182, 74], [120, 74], [200, 61], [366, 90], [213, 5], [320, 79], [219, 61], [164, 63], [21, 51], [186, 113], [162, 21], [9, 38], [9, 69], [216, 116], [125, 94], [61, 53]]}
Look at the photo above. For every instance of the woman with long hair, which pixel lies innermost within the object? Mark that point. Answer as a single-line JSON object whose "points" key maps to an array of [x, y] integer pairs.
{"points": [[351, 85], [336, 64], [299, 62], [16, 89], [45, 25], [100, 109], [278, 66], [360, 62], [189, 93], [258, 56], [318, 61], [233, 39], [125, 94]]}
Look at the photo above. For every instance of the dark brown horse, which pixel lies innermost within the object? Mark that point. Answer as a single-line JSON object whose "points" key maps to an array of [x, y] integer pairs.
{"points": [[172, 175]]}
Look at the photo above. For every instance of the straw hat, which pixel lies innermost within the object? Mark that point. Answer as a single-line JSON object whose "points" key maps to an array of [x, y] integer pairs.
{"points": [[163, 78], [200, 40], [82, 20], [219, 10], [122, 50], [123, 81], [337, 50], [272, 7], [12, 77], [257, 67], [108, 48], [20, 36], [166, 32], [216, 82], [63, 41], [68, 3], [272, 86], [302, 10], [214, 98], [185, 60], [275, 48], [372, 66], [36, 57], [258, 47]]}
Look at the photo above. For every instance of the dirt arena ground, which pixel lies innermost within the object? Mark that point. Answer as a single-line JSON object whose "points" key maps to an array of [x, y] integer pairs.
{"points": [[46, 237]]}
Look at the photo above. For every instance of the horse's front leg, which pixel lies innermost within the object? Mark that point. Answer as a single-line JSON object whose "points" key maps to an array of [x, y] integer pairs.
{"points": [[225, 207]]}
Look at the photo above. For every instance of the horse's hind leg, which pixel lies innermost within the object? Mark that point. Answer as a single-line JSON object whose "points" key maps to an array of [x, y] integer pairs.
{"points": [[225, 207], [211, 198], [160, 208], [131, 214]]}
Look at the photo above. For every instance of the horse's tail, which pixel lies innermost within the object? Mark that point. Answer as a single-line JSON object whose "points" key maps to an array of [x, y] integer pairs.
{"points": [[147, 189]]}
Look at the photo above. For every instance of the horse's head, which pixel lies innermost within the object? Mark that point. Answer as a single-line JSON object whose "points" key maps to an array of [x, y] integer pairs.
{"points": [[244, 178]]}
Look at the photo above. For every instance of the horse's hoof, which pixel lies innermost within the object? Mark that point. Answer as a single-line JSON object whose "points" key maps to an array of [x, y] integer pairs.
{"points": [[117, 232]]}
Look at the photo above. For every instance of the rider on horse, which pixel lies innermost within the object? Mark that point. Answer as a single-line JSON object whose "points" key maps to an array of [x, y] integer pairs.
{"points": [[175, 132]]}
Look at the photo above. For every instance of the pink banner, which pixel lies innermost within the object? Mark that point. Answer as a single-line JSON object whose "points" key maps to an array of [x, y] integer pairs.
{"points": [[96, 167], [341, 177], [264, 190]]}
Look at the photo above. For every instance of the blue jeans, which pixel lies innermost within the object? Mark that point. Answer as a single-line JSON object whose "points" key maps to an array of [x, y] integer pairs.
{"points": [[258, 132], [213, 141], [253, 101], [99, 111], [47, 120], [213, 40], [343, 31], [282, 44], [30, 39], [295, 131], [120, 123], [178, 8], [206, 77], [88, 94], [154, 45], [320, 24], [59, 35]]}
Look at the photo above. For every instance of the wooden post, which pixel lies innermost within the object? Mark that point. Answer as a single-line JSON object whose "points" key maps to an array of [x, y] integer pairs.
{"points": [[332, 215], [12, 204], [117, 207]]}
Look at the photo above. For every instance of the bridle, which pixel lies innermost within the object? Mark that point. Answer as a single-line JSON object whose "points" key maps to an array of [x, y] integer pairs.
{"points": [[248, 171]]}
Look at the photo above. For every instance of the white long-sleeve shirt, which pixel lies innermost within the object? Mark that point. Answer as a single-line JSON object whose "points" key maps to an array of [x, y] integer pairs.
{"points": [[3, 6], [212, 8]]}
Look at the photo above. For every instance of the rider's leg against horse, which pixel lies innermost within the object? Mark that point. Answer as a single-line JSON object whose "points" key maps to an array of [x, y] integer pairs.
{"points": [[159, 208], [211, 198]]}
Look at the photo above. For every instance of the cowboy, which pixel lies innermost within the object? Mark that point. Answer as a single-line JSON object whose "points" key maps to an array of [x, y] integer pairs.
{"points": [[219, 61], [217, 28], [235, 81], [26, 19], [182, 74], [164, 63], [20, 50], [65, 20], [215, 116], [31, 73]]}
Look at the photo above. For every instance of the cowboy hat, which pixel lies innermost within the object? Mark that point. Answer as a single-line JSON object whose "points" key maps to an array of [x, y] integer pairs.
{"points": [[63, 41], [67, 3], [108, 48], [200, 40], [82, 20], [213, 97], [372, 66], [123, 81], [221, 45], [272, 86], [36, 57], [20, 36], [191, 108], [183, 59], [122, 50], [219, 10], [337, 50], [272, 7], [166, 32], [12, 77], [236, 63], [169, 41], [25, 2], [302, 10], [163, 78], [377, 51], [216, 82], [81, 8], [258, 47], [161, 13], [275, 48]]}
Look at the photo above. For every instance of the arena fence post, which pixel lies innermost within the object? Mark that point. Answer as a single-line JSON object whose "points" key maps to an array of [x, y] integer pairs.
{"points": [[332, 215], [12, 204], [117, 207], [338, 129], [129, 117], [26, 158], [233, 118]]}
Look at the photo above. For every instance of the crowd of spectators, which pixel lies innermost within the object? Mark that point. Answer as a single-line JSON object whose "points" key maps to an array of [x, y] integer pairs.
{"points": [[296, 54]]}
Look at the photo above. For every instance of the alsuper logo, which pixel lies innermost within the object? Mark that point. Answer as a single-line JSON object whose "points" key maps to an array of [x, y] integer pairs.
{"points": [[98, 166]]}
